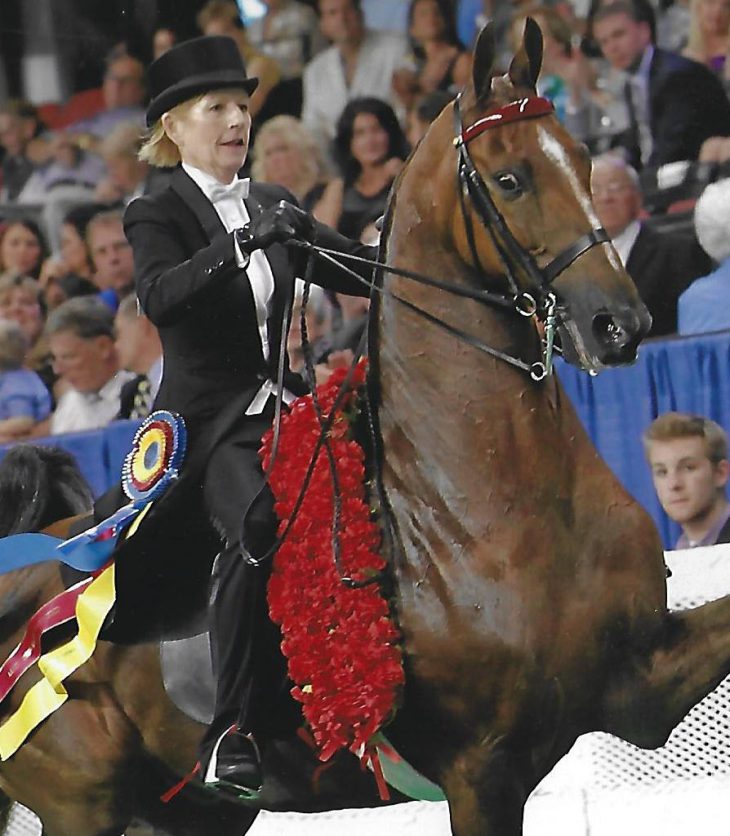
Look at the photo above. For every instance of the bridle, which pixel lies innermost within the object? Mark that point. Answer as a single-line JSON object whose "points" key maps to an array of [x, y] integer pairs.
{"points": [[540, 300]]}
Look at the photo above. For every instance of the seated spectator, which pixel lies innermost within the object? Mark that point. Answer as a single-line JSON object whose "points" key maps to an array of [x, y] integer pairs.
{"points": [[221, 17], [708, 33], [702, 306], [566, 73], [22, 248], [69, 273], [689, 465], [370, 148], [126, 173], [360, 62], [662, 266], [24, 399], [289, 33], [672, 103], [286, 153], [423, 112], [140, 351], [81, 336], [68, 167], [111, 256], [438, 60], [16, 133], [20, 302], [124, 94], [163, 40]]}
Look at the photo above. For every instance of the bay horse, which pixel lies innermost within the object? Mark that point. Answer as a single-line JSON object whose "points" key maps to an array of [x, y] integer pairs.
{"points": [[528, 585]]}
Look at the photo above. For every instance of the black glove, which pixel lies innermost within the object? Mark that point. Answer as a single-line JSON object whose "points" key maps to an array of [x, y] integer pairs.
{"points": [[277, 224]]}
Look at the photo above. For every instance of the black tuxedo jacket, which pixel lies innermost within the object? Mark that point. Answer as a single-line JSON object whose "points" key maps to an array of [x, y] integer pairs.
{"points": [[662, 267], [687, 105], [190, 287]]}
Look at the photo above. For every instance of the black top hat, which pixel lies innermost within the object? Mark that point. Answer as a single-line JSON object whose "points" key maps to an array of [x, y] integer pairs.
{"points": [[212, 62]]}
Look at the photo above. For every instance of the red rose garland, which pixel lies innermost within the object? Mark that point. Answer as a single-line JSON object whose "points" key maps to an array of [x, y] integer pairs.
{"points": [[341, 643]]}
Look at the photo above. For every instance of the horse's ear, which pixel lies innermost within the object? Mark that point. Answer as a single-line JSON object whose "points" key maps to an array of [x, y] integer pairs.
{"points": [[485, 51], [525, 66]]}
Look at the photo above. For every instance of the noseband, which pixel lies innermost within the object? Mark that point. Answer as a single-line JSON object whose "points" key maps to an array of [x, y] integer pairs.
{"points": [[540, 299]]}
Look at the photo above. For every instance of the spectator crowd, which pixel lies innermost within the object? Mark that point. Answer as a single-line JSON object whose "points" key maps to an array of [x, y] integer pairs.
{"points": [[340, 103]]}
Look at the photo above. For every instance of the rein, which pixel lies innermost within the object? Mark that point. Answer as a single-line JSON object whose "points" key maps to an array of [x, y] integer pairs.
{"points": [[540, 302]]}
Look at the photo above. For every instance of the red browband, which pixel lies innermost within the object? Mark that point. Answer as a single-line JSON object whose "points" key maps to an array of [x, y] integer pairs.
{"points": [[527, 108]]}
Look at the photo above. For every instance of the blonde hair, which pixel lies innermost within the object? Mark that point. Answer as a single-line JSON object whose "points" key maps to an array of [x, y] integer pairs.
{"points": [[224, 10], [695, 39], [12, 281], [673, 425], [313, 168], [124, 141], [157, 147], [13, 346]]}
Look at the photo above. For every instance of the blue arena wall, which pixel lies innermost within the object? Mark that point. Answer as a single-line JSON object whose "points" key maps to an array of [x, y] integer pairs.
{"points": [[690, 374]]}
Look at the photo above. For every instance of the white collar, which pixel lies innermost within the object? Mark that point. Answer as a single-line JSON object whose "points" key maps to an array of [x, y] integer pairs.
{"points": [[207, 183]]}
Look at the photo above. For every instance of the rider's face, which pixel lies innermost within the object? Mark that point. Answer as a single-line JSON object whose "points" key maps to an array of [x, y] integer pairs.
{"points": [[212, 132]]}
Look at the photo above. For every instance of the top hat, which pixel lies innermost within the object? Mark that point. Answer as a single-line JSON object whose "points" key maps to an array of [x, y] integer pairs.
{"points": [[212, 62]]}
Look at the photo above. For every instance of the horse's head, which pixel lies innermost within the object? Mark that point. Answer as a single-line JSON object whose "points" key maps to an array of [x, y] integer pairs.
{"points": [[39, 486], [526, 210]]}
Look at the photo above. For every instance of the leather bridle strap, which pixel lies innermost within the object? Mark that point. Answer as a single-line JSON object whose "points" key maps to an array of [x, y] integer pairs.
{"points": [[513, 254]]}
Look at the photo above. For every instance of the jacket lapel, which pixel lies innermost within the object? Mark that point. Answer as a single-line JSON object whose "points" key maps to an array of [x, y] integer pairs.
{"points": [[202, 208]]}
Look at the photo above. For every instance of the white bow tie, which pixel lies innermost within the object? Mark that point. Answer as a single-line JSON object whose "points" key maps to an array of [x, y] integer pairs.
{"points": [[237, 190]]}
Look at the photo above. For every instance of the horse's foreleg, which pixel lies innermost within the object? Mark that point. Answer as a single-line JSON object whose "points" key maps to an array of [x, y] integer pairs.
{"points": [[686, 659], [485, 793]]}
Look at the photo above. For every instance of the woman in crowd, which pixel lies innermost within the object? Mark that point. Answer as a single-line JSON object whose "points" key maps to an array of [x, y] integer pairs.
{"points": [[24, 400], [286, 153], [20, 302], [70, 273], [440, 60], [370, 148], [22, 248], [708, 33]]}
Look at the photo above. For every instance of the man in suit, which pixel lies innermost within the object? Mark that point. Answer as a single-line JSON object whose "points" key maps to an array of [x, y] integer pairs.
{"points": [[662, 266], [673, 104], [214, 274], [689, 465], [139, 351]]}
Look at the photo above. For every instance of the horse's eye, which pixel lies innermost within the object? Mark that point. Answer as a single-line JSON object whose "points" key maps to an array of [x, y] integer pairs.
{"points": [[509, 182]]}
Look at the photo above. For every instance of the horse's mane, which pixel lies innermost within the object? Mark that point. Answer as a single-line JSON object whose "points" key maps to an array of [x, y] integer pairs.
{"points": [[38, 486]]}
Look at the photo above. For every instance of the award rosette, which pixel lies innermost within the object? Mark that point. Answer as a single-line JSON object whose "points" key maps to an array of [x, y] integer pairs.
{"points": [[154, 461]]}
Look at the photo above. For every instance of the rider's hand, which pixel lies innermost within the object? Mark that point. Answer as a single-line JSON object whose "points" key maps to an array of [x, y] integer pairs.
{"points": [[277, 224]]}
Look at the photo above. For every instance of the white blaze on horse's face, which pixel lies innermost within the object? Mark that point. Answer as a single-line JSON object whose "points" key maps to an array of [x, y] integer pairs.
{"points": [[556, 152]]}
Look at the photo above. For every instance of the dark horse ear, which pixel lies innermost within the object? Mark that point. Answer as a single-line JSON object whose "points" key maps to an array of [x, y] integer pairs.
{"points": [[484, 54], [525, 66]]}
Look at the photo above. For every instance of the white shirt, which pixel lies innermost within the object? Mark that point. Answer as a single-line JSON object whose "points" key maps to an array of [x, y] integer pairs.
{"points": [[233, 214], [78, 411], [325, 86], [625, 240]]}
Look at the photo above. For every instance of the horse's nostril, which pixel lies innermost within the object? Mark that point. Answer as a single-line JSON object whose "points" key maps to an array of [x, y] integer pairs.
{"points": [[609, 331]]}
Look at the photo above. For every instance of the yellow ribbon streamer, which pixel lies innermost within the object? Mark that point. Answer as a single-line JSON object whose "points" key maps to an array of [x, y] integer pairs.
{"points": [[47, 695]]}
